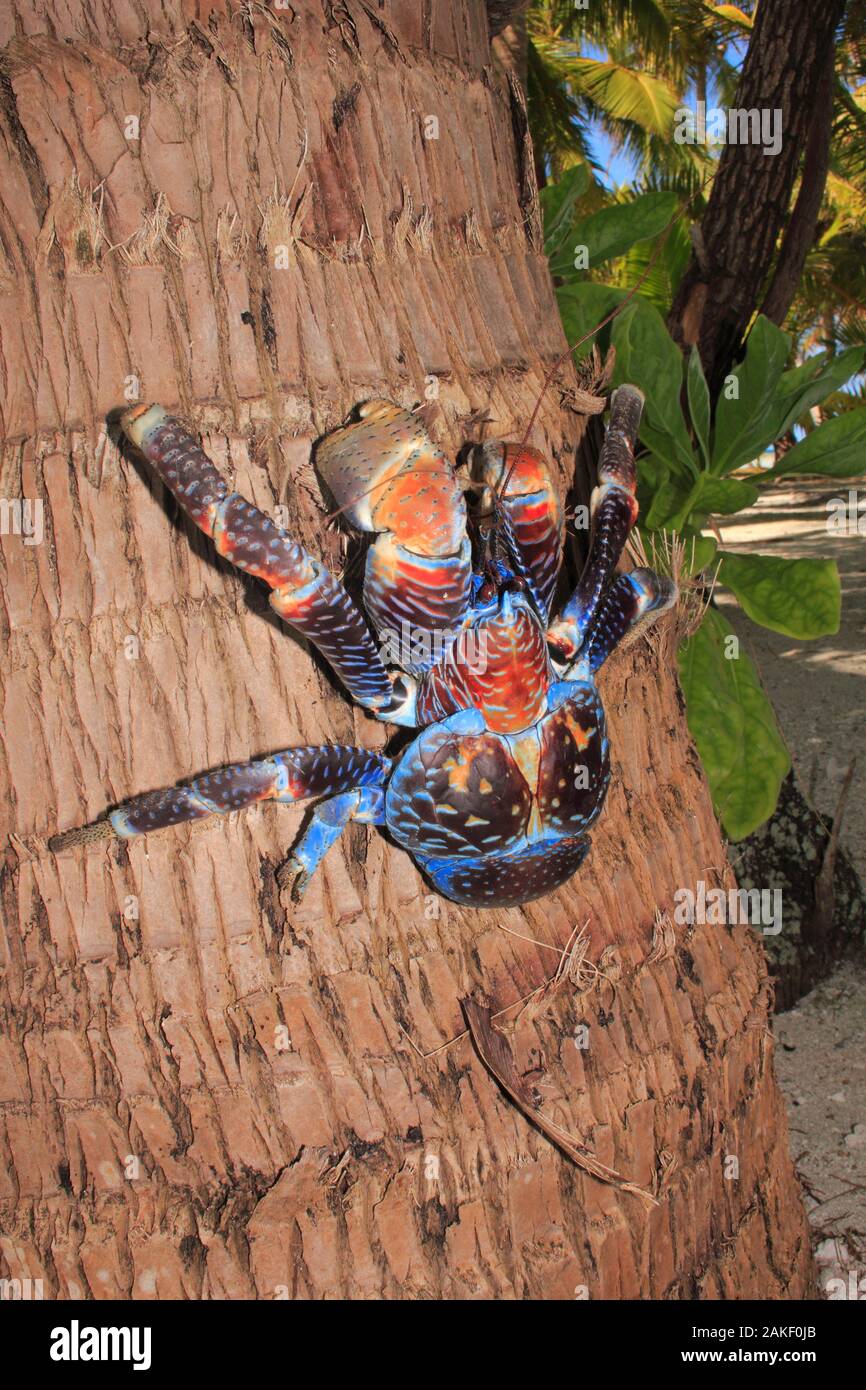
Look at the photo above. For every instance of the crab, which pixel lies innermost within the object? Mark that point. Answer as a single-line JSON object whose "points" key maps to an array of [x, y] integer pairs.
{"points": [[496, 793]]}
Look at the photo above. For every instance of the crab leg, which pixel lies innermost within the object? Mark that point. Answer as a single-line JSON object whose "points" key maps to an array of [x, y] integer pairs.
{"points": [[388, 477], [293, 775], [632, 602], [614, 511], [528, 514], [328, 822], [305, 594]]}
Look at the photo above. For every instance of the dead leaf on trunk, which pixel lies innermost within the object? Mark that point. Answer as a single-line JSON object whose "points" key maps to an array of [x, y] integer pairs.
{"points": [[495, 1053]]}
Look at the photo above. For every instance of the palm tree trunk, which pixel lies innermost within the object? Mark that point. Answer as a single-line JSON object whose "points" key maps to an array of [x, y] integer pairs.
{"points": [[259, 220], [803, 223], [787, 71]]}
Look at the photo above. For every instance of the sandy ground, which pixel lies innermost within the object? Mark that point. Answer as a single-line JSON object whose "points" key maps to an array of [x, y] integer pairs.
{"points": [[819, 692], [821, 1065]]}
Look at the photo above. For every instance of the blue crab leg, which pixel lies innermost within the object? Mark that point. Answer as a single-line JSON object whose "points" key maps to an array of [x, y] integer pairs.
{"points": [[633, 601], [614, 512], [293, 775], [528, 513], [305, 594], [328, 822], [388, 477]]}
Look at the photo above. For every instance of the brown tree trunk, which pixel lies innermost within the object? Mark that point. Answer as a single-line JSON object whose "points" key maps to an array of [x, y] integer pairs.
{"points": [[204, 1090], [749, 256], [787, 69], [802, 225]]}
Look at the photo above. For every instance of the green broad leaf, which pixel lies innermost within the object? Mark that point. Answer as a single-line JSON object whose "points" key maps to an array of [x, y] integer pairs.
{"points": [[724, 496], [665, 447], [652, 474], [612, 231], [745, 414], [582, 307], [733, 725], [652, 470], [658, 265], [699, 403], [812, 382], [679, 501], [700, 551], [801, 598], [836, 449], [558, 203], [648, 357], [670, 503], [797, 391]]}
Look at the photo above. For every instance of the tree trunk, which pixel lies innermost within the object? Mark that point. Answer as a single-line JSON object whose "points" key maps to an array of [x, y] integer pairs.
{"points": [[207, 1091], [797, 852], [788, 70], [790, 67], [803, 223]]}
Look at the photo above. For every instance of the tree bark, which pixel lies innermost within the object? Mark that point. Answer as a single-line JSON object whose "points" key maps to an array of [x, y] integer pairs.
{"points": [[797, 852], [784, 69], [789, 66], [800, 231], [206, 1091]]}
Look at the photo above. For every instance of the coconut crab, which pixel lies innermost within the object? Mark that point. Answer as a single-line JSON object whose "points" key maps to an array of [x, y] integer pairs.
{"points": [[494, 797]]}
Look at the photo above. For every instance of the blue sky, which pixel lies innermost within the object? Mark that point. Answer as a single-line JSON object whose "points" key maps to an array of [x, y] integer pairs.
{"points": [[618, 167]]}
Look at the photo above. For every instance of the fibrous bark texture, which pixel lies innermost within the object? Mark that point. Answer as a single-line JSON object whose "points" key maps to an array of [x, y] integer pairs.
{"points": [[205, 1090]]}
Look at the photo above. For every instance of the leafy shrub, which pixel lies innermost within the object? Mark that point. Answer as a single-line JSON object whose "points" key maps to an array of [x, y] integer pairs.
{"points": [[687, 474]]}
